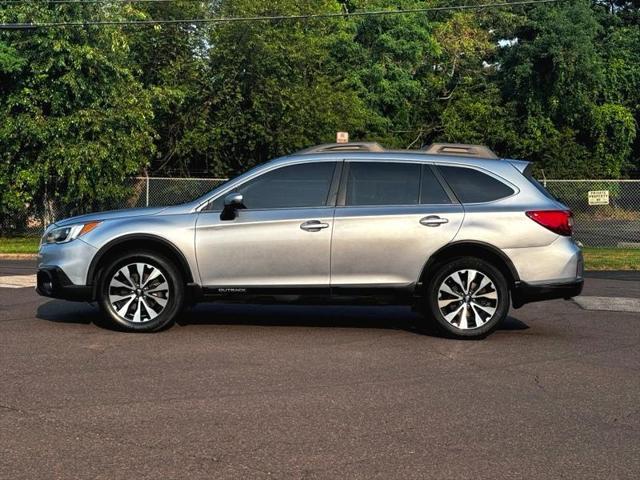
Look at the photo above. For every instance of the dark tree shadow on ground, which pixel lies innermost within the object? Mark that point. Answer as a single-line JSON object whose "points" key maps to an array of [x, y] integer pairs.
{"points": [[313, 316]]}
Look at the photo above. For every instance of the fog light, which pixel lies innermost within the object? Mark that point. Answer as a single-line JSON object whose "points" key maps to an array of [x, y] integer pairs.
{"points": [[45, 282]]}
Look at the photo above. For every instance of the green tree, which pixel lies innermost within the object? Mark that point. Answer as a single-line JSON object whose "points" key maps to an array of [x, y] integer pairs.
{"points": [[384, 60], [471, 108], [556, 76], [271, 88], [621, 53], [171, 61], [74, 120]]}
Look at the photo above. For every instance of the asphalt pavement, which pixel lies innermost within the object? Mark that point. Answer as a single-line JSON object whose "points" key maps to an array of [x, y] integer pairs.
{"points": [[318, 392]]}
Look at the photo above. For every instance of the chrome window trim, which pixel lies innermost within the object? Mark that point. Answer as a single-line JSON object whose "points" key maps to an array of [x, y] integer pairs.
{"points": [[274, 209], [288, 161]]}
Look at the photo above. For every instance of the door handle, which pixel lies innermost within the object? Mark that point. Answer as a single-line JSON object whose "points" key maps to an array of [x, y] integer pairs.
{"points": [[433, 221], [313, 226]]}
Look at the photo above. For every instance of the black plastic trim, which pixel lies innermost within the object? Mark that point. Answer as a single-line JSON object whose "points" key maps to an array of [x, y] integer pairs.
{"points": [[347, 294], [447, 188], [474, 243], [194, 294], [54, 283], [243, 291], [402, 291], [342, 190], [332, 198], [524, 293], [184, 265]]}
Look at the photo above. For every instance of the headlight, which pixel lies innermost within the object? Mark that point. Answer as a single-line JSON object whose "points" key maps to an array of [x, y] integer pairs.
{"points": [[68, 233]]}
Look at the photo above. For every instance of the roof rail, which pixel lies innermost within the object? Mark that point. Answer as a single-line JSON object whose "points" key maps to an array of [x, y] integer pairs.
{"points": [[343, 147], [459, 149]]}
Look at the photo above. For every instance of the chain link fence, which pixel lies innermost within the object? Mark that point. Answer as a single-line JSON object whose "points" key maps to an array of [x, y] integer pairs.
{"points": [[156, 191], [613, 222], [141, 192], [607, 212]]}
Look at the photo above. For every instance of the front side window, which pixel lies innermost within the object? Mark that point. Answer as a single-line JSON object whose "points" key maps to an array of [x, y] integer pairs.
{"points": [[473, 186], [376, 183], [294, 186]]}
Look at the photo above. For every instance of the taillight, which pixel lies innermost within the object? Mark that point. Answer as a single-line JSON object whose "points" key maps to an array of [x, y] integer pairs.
{"points": [[558, 221]]}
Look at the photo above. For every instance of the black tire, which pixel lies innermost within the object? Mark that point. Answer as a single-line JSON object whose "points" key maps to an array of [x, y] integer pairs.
{"points": [[152, 297], [477, 322]]}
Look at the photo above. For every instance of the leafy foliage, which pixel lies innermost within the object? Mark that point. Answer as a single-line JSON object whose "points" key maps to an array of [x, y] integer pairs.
{"points": [[81, 108], [74, 119]]}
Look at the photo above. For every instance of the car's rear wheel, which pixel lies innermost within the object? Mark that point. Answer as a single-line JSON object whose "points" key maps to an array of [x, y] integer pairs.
{"points": [[467, 298], [141, 291]]}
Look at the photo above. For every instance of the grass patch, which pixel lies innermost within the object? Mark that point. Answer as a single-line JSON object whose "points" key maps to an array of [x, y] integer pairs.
{"points": [[594, 258], [19, 244], [611, 258]]}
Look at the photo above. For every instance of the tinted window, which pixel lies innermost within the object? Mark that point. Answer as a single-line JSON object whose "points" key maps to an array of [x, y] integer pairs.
{"points": [[472, 186], [383, 184], [431, 192], [296, 186]]}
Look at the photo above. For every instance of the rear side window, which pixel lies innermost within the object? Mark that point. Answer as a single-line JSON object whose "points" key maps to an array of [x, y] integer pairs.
{"points": [[375, 183], [431, 192], [472, 186]]}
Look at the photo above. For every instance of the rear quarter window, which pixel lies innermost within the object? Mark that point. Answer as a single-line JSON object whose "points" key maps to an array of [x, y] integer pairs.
{"points": [[473, 186]]}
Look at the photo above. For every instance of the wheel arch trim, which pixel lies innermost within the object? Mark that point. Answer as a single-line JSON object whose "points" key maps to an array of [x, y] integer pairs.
{"points": [[472, 244], [183, 264]]}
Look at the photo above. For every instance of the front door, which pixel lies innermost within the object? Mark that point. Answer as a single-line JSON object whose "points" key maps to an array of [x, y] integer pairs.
{"points": [[281, 240]]}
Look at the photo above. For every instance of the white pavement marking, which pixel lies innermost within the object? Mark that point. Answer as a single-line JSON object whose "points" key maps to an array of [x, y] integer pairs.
{"points": [[18, 281], [611, 304]]}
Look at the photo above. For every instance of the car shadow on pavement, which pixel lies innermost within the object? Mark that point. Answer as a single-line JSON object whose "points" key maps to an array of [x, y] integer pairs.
{"points": [[59, 311], [378, 317], [316, 316]]}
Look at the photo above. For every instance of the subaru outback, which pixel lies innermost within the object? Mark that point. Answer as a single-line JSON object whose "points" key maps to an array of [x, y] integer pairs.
{"points": [[453, 231]]}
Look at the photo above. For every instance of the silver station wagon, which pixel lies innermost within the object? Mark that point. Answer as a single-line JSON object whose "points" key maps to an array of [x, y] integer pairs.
{"points": [[453, 231]]}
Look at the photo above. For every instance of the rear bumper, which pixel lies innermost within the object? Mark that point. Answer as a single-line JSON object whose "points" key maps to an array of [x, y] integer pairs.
{"points": [[524, 293], [54, 283]]}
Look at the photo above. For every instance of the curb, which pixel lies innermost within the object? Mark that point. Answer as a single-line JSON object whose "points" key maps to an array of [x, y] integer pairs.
{"points": [[18, 256], [609, 304]]}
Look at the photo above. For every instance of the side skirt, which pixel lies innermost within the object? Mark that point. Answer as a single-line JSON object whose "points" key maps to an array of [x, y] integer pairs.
{"points": [[348, 295]]}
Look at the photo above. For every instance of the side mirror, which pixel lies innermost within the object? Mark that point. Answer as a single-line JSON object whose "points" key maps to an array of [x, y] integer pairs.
{"points": [[232, 203]]}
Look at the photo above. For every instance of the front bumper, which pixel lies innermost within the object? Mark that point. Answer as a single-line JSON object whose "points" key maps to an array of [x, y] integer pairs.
{"points": [[63, 268], [53, 282], [524, 293]]}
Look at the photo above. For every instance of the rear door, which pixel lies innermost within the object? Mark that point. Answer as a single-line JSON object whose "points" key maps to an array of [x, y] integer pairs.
{"points": [[390, 217]]}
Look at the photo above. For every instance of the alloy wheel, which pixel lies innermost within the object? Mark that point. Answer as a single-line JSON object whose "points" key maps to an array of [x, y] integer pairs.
{"points": [[138, 292], [467, 299]]}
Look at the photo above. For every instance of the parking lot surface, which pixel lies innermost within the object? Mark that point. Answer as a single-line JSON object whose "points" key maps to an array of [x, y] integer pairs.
{"points": [[318, 392]]}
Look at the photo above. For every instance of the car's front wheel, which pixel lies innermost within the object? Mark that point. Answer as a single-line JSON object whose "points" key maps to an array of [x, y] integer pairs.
{"points": [[141, 291], [468, 298]]}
